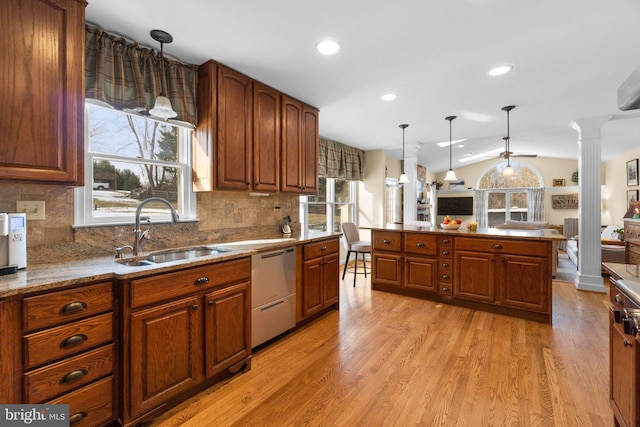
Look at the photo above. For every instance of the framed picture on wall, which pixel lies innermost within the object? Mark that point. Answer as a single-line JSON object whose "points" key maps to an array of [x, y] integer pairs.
{"points": [[632, 172], [558, 182], [632, 196]]}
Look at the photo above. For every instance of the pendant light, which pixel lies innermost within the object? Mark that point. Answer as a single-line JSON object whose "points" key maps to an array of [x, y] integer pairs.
{"points": [[403, 176], [162, 107], [451, 175], [508, 170]]}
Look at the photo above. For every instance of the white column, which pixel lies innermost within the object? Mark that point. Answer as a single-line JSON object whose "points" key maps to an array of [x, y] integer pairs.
{"points": [[410, 193], [589, 277]]}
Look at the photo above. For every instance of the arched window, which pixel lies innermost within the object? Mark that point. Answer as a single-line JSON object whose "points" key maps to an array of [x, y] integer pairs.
{"points": [[519, 197]]}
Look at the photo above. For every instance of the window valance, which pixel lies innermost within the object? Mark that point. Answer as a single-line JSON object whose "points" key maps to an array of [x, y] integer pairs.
{"points": [[337, 160], [127, 76]]}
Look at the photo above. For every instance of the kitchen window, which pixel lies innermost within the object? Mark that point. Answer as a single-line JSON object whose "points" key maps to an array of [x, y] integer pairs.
{"points": [[130, 158], [334, 204]]}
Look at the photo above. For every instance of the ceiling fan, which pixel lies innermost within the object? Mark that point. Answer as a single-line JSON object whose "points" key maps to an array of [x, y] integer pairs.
{"points": [[506, 154]]}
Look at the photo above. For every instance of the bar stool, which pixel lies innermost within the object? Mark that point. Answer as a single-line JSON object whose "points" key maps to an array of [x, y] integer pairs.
{"points": [[352, 243]]}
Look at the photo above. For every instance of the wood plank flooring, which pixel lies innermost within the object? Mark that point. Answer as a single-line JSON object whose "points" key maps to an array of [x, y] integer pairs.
{"points": [[390, 360]]}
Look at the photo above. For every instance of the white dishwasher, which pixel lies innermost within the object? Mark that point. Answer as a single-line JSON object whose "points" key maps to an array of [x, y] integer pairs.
{"points": [[273, 294]]}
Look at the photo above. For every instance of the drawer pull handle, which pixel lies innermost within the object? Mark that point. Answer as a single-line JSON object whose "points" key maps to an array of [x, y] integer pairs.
{"points": [[618, 299], [324, 248], [444, 264], [445, 276], [74, 340], [386, 242], [497, 246], [203, 280], [445, 252], [445, 289], [445, 240], [73, 376], [72, 307], [77, 417], [420, 245]]}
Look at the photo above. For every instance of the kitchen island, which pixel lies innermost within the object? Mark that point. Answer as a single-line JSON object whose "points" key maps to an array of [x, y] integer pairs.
{"points": [[503, 271]]}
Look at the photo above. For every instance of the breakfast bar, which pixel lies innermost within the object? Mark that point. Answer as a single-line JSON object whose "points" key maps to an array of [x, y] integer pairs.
{"points": [[502, 271]]}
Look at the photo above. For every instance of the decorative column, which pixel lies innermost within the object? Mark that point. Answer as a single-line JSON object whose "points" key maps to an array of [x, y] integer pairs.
{"points": [[589, 277], [410, 193]]}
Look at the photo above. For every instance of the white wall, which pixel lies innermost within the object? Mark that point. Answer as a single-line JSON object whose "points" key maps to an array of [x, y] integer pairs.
{"points": [[614, 192]]}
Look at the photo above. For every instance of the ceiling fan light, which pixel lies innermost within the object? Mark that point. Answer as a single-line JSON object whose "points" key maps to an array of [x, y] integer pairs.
{"points": [[508, 171], [450, 176]]}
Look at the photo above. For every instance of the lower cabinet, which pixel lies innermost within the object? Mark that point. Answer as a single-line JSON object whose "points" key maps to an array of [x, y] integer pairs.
{"points": [[421, 274], [184, 329], [320, 276]]}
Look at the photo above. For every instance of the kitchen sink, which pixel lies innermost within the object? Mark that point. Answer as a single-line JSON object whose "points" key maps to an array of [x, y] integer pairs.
{"points": [[174, 255]]}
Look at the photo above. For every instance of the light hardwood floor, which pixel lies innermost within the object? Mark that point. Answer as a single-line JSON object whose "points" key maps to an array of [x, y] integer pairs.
{"points": [[389, 360]]}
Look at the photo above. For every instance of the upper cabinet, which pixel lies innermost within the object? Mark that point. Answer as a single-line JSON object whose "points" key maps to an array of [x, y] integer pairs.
{"points": [[252, 137], [299, 147], [42, 91]]}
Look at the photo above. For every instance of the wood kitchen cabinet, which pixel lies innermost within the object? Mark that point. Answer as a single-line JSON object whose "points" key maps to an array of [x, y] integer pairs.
{"points": [[632, 241], [386, 259], [421, 263], [320, 277], [299, 147], [184, 329], [42, 91], [266, 138]]}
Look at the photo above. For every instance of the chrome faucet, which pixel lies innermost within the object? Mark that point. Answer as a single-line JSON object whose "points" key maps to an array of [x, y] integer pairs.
{"points": [[140, 235]]}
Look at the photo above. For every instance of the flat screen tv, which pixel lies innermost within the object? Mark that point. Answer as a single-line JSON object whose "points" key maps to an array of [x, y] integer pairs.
{"points": [[455, 206]]}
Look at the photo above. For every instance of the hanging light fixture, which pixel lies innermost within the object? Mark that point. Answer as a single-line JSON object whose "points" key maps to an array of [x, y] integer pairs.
{"points": [[162, 107], [508, 170], [451, 175], [403, 176]]}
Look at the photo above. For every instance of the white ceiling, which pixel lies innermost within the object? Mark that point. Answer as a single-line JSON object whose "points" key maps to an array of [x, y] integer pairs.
{"points": [[570, 57]]}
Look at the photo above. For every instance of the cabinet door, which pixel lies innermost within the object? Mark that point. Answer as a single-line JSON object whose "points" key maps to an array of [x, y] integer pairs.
{"points": [[474, 276], [227, 327], [42, 90], [312, 288], [266, 138], [203, 157], [310, 157], [524, 282], [330, 278], [386, 269], [624, 361], [165, 353], [421, 273], [234, 130], [291, 180]]}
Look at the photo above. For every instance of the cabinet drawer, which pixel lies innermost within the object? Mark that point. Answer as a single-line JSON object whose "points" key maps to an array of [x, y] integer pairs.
{"points": [[50, 344], [91, 405], [631, 231], [445, 241], [55, 308], [58, 378], [168, 286], [387, 241], [318, 249], [445, 288], [421, 243], [516, 247]]}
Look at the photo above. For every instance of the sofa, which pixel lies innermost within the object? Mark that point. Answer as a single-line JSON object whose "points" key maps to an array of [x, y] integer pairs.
{"points": [[535, 225], [608, 253]]}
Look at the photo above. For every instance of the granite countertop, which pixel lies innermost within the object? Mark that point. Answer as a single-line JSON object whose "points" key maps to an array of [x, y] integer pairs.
{"points": [[629, 281], [40, 277], [544, 234]]}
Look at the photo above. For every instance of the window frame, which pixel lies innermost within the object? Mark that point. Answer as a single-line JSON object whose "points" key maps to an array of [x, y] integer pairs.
{"points": [[331, 205], [83, 196]]}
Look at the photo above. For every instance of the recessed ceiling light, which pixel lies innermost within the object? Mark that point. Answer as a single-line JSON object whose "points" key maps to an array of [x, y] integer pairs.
{"points": [[500, 70], [328, 47], [389, 97]]}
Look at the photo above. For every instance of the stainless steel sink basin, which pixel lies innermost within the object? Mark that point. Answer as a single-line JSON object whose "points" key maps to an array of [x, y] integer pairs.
{"points": [[174, 255], [189, 253]]}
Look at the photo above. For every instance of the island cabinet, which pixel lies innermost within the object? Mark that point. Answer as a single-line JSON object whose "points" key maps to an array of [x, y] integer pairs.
{"points": [[632, 241], [183, 331], [62, 350], [421, 262], [386, 258], [42, 91], [318, 288], [299, 147]]}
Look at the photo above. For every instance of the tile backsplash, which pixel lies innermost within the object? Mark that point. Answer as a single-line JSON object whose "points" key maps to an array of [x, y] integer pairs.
{"points": [[223, 216]]}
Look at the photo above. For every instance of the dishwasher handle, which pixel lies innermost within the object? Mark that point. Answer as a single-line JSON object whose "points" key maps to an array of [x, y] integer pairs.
{"points": [[272, 254]]}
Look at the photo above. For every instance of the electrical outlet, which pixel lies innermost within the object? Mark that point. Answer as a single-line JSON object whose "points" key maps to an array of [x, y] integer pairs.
{"points": [[33, 209]]}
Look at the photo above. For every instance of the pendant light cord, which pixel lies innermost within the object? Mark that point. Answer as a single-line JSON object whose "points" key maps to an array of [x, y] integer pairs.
{"points": [[450, 144]]}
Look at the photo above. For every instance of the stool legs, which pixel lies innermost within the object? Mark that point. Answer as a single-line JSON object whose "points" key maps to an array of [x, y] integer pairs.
{"points": [[347, 263]]}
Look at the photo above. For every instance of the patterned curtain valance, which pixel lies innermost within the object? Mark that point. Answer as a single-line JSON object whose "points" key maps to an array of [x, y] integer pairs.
{"points": [[127, 76], [337, 160]]}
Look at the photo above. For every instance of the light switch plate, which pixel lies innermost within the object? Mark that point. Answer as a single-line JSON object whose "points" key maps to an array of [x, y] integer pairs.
{"points": [[33, 209]]}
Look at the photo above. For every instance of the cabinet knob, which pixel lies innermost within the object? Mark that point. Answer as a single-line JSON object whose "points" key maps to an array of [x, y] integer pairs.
{"points": [[194, 307], [445, 289], [202, 280], [73, 340], [73, 376], [445, 240], [445, 276], [618, 299], [497, 246], [627, 343], [77, 417], [445, 252], [420, 245], [444, 264], [386, 242], [210, 302], [324, 248], [72, 307]]}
